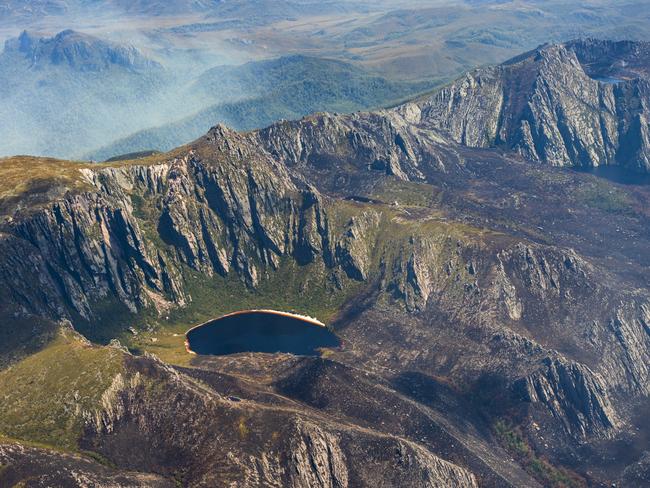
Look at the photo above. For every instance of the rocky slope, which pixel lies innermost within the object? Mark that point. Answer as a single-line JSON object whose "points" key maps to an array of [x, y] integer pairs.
{"points": [[41, 467], [582, 103], [470, 288], [270, 442]]}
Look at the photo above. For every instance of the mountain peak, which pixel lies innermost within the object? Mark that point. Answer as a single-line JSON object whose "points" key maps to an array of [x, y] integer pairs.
{"points": [[80, 51], [569, 104]]}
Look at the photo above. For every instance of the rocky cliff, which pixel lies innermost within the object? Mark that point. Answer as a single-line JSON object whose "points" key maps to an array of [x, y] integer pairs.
{"points": [[582, 103]]}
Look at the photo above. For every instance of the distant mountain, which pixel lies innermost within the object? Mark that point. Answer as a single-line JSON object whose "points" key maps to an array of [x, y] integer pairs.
{"points": [[284, 88], [78, 51], [242, 9], [582, 103], [72, 89]]}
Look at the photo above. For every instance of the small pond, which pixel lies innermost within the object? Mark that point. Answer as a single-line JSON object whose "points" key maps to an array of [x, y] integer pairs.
{"points": [[617, 174], [609, 80], [260, 331]]}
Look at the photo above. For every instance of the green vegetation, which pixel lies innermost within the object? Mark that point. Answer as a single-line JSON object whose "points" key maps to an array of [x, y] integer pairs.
{"points": [[22, 174], [43, 397], [28, 176], [513, 441], [133, 155], [603, 196], [406, 193], [242, 428]]}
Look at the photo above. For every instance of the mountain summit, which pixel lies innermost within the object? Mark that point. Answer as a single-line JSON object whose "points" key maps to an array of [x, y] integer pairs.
{"points": [[582, 103], [78, 51]]}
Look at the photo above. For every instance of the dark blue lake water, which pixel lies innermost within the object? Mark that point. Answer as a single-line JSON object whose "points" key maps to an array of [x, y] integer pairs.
{"points": [[259, 331], [608, 80], [617, 174]]}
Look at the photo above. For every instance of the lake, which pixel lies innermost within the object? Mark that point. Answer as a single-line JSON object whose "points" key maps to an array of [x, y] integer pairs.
{"points": [[260, 331], [617, 174], [608, 80]]}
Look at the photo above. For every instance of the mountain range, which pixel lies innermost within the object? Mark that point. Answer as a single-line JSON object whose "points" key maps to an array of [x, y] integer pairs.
{"points": [[65, 89], [596, 114], [74, 95], [284, 88], [493, 304]]}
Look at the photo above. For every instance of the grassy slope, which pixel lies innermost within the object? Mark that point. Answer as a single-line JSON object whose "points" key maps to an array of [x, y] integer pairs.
{"points": [[22, 173], [305, 289], [44, 396], [40, 179]]}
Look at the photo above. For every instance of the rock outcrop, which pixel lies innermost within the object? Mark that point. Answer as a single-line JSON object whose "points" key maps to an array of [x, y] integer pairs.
{"points": [[42, 467], [186, 422], [573, 394], [576, 104]]}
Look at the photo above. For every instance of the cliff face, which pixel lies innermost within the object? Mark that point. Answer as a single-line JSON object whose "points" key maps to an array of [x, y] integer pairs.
{"points": [[578, 104], [466, 281], [128, 238]]}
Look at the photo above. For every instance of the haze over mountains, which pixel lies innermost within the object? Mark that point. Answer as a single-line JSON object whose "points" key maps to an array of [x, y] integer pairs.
{"points": [[424, 42], [71, 90], [284, 88], [72, 93]]}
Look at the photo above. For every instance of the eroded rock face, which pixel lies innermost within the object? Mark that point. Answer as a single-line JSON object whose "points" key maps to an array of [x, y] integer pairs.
{"points": [[573, 394], [353, 250], [320, 452], [552, 106], [378, 142], [129, 238]]}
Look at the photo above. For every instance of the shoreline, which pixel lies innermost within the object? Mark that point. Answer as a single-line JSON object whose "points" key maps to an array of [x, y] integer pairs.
{"points": [[305, 318]]}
